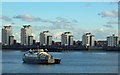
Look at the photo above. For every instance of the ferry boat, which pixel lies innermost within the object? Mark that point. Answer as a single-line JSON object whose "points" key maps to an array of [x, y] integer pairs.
{"points": [[40, 56]]}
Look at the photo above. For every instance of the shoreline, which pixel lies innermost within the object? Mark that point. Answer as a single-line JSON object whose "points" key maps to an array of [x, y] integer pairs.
{"points": [[62, 48]]}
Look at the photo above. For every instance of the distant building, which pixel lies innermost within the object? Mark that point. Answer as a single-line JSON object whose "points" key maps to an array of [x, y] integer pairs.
{"points": [[79, 43], [34, 41], [74, 42], [11, 40], [26, 31], [30, 40], [112, 40], [119, 32], [57, 43], [6, 33], [67, 39], [101, 43], [88, 39], [45, 38], [15, 42]]}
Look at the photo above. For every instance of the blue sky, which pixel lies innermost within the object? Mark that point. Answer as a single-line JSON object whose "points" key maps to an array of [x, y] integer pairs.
{"points": [[100, 18]]}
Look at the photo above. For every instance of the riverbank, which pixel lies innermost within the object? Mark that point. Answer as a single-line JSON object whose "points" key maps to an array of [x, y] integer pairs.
{"points": [[61, 48]]}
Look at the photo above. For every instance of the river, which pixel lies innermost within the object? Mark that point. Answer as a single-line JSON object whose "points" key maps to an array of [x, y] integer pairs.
{"points": [[71, 62]]}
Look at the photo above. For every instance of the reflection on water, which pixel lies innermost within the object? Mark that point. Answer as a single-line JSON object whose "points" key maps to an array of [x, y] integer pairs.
{"points": [[71, 62]]}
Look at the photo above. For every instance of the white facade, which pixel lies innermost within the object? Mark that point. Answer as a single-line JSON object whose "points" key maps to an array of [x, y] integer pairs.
{"points": [[25, 32], [30, 40], [45, 38], [67, 39], [88, 39], [92, 42], [6, 32], [11, 40], [112, 40], [49, 40]]}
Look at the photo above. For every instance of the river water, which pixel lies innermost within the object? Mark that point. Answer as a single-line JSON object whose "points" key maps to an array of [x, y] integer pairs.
{"points": [[71, 62]]}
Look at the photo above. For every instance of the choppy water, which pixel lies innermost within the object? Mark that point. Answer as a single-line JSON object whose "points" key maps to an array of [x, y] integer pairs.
{"points": [[71, 62]]}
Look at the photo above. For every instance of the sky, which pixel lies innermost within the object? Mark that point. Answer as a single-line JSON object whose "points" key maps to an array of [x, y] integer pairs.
{"points": [[99, 18], [59, 0]]}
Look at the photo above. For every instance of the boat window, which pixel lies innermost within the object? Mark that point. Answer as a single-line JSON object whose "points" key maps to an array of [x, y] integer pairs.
{"points": [[51, 57]]}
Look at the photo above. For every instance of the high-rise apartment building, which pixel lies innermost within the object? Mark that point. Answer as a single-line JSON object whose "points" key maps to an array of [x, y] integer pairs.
{"points": [[26, 31], [88, 39], [112, 40], [45, 38], [67, 39], [6, 33]]}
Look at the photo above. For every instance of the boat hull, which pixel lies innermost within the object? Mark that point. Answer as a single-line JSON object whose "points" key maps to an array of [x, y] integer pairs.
{"points": [[41, 61], [57, 61]]}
